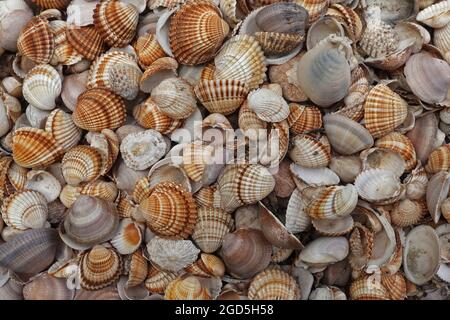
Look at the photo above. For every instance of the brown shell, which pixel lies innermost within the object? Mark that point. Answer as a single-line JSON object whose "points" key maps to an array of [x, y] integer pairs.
{"points": [[186, 288], [439, 159], [395, 285], [52, 4], [86, 41], [207, 266], [63, 129], [149, 116], [36, 41], [148, 49], [310, 152], [304, 118], [406, 213], [274, 43], [402, 145], [81, 164], [350, 19], [157, 280], [273, 284], [137, 269], [207, 197], [368, 288]]}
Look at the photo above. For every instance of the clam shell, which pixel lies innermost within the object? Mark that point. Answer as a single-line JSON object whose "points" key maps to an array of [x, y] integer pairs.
{"points": [[128, 238], [274, 43], [401, 144], [46, 287], [36, 41], [157, 280], [377, 158], [268, 105], [406, 213], [303, 119], [423, 135], [282, 18], [63, 129], [441, 40], [42, 86], [81, 164], [89, 221], [186, 288], [297, 220], [196, 157], [315, 177], [273, 284], [439, 160], [73, 86], [207, 266], [148, 50], [161, 69], [324, 251], [85, 40], [334, 227], [172, 255], [368, 288], [361, 246], [138, 269], [436, 15], [44, 183], [309, 152], [437, 192], [378, 185], [17, 176], [99, 109], [148, 115], [99, 268]]}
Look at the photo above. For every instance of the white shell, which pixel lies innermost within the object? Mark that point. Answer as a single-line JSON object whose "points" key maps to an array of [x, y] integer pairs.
{"points": [[377, 185], [45, 183], [315, 177], [297, 220], [324, 251], [268, 105], [42, 86]]}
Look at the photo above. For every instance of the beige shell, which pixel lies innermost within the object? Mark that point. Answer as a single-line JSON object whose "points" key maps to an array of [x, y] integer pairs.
{"points": [[436, 15], [207, 266], [169, 169], [128, 237], [310, 152], [385, 159], [157, 280], [441, 40], [334, 227], [436, 192], [324, 251], [368, 288], [44, 183], [297, 220], [161, 69], [273, 284], [81, 164], [406, 213], [378, 185], [42, 86], [268, 105], [304, 118], [315, 177], [402, 145], [187, 288]]}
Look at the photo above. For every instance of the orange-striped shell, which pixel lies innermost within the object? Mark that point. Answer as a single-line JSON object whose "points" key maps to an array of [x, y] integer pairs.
{"points": [[273, 284], [208, 265], [208, 197], [275, 43], [137, 267], [196, 32], [315, 8], [304, 118], [368, 288], [65, 53], [33, 148], [81, 164], [196, 156], [221, 96], [310, 152], [170, 211], [349, 18], [99, 109], [186, 288], [63, 129], [439, 159], [52, 4], [148, 115], [395, 285], [361, 246], [158, 280], [116, 22], [86, 41], [97, 188], [384, 110], [148, 49], [402, 145], [36, 41]]}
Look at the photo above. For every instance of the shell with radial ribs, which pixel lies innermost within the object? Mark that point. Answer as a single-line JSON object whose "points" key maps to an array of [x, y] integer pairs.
{"points": [[86, 41], [310, 152], [36, 41], [401, 144], [148, 49], [273, 284], [268, 105], [41, 86], [303, 119], [436, 15], [128, 238], [81, 164], [63, 129], [439, 160], [157, 280], [368, 288], [187, 288], [148, 115]]}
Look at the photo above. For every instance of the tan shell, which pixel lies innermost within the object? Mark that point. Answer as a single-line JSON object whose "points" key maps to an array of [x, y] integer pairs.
{"points": [[315, 8], [378, 185], [368, 288], [402, 145], [63, 129], [149, 116], [324, 251], [406, 213], [333, 227], [97, 188], [303, 119], [85, 40], [128, 238], [148, 49], [437, 192], [36, 41], [187, 288], [81, 164], [273, 284], [46, 287], [297, 220], [161, 69], [436, 15], [157, 280], [439, 160], [309, 152], [207, 266], [267, 105]]}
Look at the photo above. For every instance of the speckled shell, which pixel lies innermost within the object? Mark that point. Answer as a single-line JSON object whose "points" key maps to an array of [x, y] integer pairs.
{"points": [[401, 144], [379, 39], [273, 284], [303, 119], [368, 288], [309, 152], [196, 32], [241, 58], [243, 184], [439, 159], [36, 41], [99, 268], [42, 86], [116, 22], [268, 105], [148, 115], [170, 211], [384, 110], [157, 280], [63, 129], [148, 49], [436, 15], [211, 227], [86, 41], [187, 288], [81, 164], [99, 109]]}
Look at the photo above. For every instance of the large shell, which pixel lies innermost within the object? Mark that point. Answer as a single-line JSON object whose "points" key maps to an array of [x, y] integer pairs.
{"points": [[378, 158], [187, 288], [36, 41], [116, 22], [401, 144], [268, 105], [384, 110], [42, 86], [85, 40], [63, 129], [99, 109], [196, 32], [273, 284], [89, 221], [46, 287], [81, 164], [245, 252], [436, 15], [378, 185], [309, 152], [99, 267]]}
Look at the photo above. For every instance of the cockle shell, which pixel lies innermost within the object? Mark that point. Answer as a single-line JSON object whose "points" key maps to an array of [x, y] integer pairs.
{"points": [[81, 164], [324, 251], [243, 184], [245, 252], [423, 135], [42, 86], [116, 22], [378, 185], [46, 287], [406, 213], [148, 49], [157, 280], [321, 29], [437, 192], [297, 220], [172, 255], [310, 152], [170, 211], [303, 119], [89, 221], [378, 158], [436, 15], [148, 115], [350, 19], [85, 40], [44, 183], [99, 267], [137, 267], [368, 288], [128, 238], [384, 110], [196, 32], [107, 143], [63, 129], [161, 69], [273, 284], [441, 40], [36, 41], [187, 288], [169, 169], [97, 188], [314, 177], [401, 144], [17, 176], [99, 109], [73, 86], [439, 160], [333, 227], [64, 53], [315, 8], [274, 43], [268, 105]]}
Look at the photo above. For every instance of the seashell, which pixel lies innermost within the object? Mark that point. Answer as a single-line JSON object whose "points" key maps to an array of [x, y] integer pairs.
{"points": [[25, 209], [33, 148], [421, 254], [345, 135], [315, 8], [89, 221], [315, 177], [211, 227], [116, 71], [361, 246], [56, 212], [267, 105], [15, 16], [29, 252], [108, 293], [64, 53], [196, 32], [17, 176], [138, 269], [99, 268], [36, 41], [63, 129], [242, 59], [108, 108], [245, 252], [347, 16], [378, 185], [324, 67], [377, 158], [333, 202], [297, 220], [406, 213], [401, 144], [186, 288], [128, 238], [44, 183], [196, 157], [273, 284], [42, 86], [164, 213], [116, 22], [172, 255], [396, 286], [157, 280], [148, 49], [73, 86], [161, 69], [438, 160], [303, 119], [368, 288], [81, 164], [243, 184], [411, 30], [175, 98], [149, 116], [282, 18], [169, 169], [208, 197], [221, 96], [35, 116], [384, 110], [441, 40], [416, 183], [436, 16], [437, 191], [85, 40], [324, 251], [333, 227], [46, 287], [107, 143], [428, 77], [274, 43], [423, 135], [321, 29], [309, 152], [52, 4]]}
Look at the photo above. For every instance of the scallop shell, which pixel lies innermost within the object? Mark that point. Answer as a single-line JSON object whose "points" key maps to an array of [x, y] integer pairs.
{"points": [[36, 41], [46, 287], [89, 221], [309, 152], [148, 50], [170, 211], [436, 15], [175, 98], [128, 238], [368, 288], [81, 164], [157, 280], [303, 119], [241, 58], [86, 41], [268, 105], [245, 252], [378, 185], [44, 183], [172, 255], [273, 284], [148, 115], [99, 268], [401, 144], [384, 110], [196, 32], [243, 184], [441, 40], [63, 129], [116, 22], [108, 108], [42, 86], [187, 288]]}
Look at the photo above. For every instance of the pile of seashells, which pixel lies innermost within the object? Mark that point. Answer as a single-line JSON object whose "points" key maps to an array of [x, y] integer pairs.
{"points": [[224, 149]]}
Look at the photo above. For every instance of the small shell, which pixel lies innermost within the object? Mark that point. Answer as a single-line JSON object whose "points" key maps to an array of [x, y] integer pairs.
{"points": [[116, 22], [63, 129], [303, 119], [172, 255], [274, 43], [267, 105], [44, 183], [81, 164], [99, 109], [368, 288], [42, 86], [406, 213], [46, 287], [273, 284], [297, 220], [148, 50], [378, 185], [128, 238], [36, 41], [99, 267], [395, 285], [437, 192], [157, 280], [86, 41], [148, 115], [334, 227], [309, 152], [187, 288], [208, 265], [401, 144], [439, 160], [314, 177], [436, 15]]}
